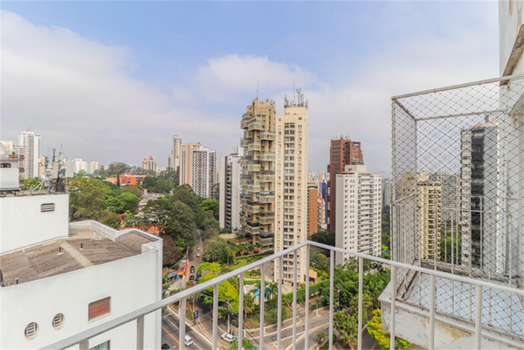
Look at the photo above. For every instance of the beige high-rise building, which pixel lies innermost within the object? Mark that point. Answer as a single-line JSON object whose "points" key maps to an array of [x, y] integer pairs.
{"points": [[429, 216], [186, 163], [291, 215], [149, 164], [258, 173]]}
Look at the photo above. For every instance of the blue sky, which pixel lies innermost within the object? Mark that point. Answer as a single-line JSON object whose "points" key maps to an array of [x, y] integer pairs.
{"points": [[112, 81]]}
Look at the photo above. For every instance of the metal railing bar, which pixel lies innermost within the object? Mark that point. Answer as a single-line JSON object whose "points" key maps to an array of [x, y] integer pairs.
{"points": [[463, 114], [478, 318], [262, 301], [133, 315], [295, 300], [331, 287], [393, 300], [480, 82], [360, 293], [215, 317], [182, 328], [140, 333], [240, 333], [432, 308], [404, 108], [279, 307], [84, 345], [306, 303]]}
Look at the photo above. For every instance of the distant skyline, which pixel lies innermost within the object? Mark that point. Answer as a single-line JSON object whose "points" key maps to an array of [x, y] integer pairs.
{"points": [[113, 81]]}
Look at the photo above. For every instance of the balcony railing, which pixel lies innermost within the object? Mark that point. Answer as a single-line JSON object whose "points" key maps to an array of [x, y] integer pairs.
{"points": [[479, 324]]}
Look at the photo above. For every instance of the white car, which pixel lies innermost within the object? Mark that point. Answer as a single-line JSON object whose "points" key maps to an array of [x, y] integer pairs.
{"points": [[189, 341], [198, 247], [198, 254], [228, 337]]}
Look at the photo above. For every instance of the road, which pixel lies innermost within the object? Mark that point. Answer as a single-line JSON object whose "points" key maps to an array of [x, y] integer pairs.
{"points": [[170, 333]]}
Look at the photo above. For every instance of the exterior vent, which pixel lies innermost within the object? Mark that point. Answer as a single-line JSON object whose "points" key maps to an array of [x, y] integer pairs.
{"points": [[45, 207], [58, 321], [30, 330]]}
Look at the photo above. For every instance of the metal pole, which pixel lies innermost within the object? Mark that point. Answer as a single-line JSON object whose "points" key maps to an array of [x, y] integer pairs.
{"points": [[215, 316], [360, 292], [306, 303], [279, 307], [331, 280], [393, 299], [432, 313], [262, 303], [182, 325], [295, 300], [478, 318], [240, 332], [84, 345]]}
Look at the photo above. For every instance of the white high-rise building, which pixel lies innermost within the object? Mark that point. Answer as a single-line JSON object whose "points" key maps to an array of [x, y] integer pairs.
{"points": [[31, 143], [80, 165], [230, 171], [203, 172], [291, 198], [174, 158], [359, 208]]}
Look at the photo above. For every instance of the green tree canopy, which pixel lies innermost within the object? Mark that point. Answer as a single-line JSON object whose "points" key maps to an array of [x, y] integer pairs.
{"points": [[117, 168], [209, 206], [186, 196], [213, 248], [87, 198], [319, 261], [149, 183], [324, 237], [111, 219], [132, 189]]}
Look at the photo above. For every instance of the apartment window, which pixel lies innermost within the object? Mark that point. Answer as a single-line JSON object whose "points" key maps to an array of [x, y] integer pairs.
{"points": [[45, 207], [103, 346], [99, 308]]}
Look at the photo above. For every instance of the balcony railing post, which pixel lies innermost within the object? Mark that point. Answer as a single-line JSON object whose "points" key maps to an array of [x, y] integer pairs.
{"points": [[84, 345], [262, 298], [331, 287], [182, 328], [360, 292], [240, 334], [215, 317], [140, 333], [393, 300], [478, 318], [295, 299], [432, 306], [279, 316], [306, 303]]}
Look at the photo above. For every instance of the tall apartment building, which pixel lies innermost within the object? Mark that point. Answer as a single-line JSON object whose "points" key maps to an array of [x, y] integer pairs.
{"points": [[31, 143], [483, 205], [203, 173], [186, 163], [450, 183], [312, 209], [174, 158], [230, 171], [386, 193], [359, 211], [149, 164], [291, 219], [321, 206], [342, 152], [428, 221], [258, 173]]}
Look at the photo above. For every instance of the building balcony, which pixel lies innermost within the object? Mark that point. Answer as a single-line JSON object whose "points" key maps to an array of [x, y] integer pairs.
{"points": [[254, 147], [268, 135], [266, 220], [254, 126], [252, 230], [245, 142]]}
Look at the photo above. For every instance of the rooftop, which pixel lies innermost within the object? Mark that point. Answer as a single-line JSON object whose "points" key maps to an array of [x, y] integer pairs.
{"points": [[82, 249]]}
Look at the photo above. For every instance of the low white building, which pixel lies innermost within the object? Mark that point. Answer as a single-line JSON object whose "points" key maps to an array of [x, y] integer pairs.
{"points": [[58, 279], [359, 207]]}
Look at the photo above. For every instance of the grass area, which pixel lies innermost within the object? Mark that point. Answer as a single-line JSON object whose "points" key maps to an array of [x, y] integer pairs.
{"points": [[240, 262], [250, 282]]}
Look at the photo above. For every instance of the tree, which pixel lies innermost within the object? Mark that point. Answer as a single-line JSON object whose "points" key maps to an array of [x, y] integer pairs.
{"points": [[382, 338], [216, 192], [169, 174], [132, 189], [87, 198], [247, 344], [212, 268], [321, 335], [209, 206], [163, 185], [213, 248], [149, 183], [117, 168], [123, 202], [324, 237], [347, 327], [186, 196], [111, 219], [171, 253], [319, 261]]}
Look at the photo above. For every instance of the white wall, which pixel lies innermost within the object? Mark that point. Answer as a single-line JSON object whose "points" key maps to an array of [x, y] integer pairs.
{"points": [[131, 283], [511, 15], [22, 228]]}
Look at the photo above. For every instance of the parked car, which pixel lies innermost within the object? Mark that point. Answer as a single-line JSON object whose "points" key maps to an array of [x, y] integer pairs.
{"points": [[228, 337], [199, 274], [198, 247], [192, 278], [165, 347], [339, 308], [192, 270], [198, 254], [189, 341], [197, 280]]}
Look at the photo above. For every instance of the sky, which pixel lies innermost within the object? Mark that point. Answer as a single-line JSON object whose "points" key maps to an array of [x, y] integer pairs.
{"points": [[113, 81]]}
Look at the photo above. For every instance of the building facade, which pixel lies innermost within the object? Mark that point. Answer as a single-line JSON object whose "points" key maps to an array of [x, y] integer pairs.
{"points": [[149, 164], [230, 189], [359, 211], [203, 173], [186, 163], [341, 153], [31, 143], [291, 219], [312, 209], [258, 173]]}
